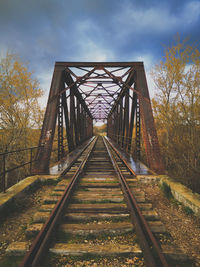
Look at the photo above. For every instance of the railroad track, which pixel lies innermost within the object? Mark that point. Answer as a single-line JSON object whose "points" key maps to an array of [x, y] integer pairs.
{"points": [[97, 199]]}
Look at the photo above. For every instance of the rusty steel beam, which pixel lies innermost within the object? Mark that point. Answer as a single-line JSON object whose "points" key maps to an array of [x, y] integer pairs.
{"points": [[78, 120], [148, 126], [135, 65], [137, 130], [41, 165], [60, 130], [131, 123], [120, 121], [115, 123], [126, 119], [66, 116], [72, 117]]}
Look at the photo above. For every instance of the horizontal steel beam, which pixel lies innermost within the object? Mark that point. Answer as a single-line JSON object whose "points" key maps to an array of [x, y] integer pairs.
{"points": [[136, 65]]}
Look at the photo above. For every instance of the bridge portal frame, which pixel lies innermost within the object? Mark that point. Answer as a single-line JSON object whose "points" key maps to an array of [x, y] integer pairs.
{"points": [[121, 117]]}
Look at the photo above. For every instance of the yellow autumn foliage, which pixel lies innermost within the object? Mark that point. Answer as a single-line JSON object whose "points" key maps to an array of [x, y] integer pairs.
{"points": [[176, 109], [20, 112], [20, 115]]}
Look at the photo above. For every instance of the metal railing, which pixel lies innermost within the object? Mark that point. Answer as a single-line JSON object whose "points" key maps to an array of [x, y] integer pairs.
{"points": [[29, 160], [4, 155]]}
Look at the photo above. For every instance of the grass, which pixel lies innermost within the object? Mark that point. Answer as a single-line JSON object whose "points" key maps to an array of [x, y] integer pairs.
{"points": [[167, 192], [166, 189], [23, 229], [188, 210], [31, 221], [51, 181]]}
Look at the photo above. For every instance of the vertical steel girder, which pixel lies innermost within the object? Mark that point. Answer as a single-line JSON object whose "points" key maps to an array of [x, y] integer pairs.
{"points": [[72, 128], [78, 120], [131, 124], [141, 113], [67, 124], [148, 126], [76, 109], [48, 129], [126, 119], [60, 130], [137, 130]]}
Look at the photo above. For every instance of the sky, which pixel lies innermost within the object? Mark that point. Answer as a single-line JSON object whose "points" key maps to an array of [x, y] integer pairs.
{"points": [[44, 31]]}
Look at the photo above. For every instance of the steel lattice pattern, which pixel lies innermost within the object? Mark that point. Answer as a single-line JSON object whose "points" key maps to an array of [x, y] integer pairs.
{"points": [[99, 87], [113, 92]]}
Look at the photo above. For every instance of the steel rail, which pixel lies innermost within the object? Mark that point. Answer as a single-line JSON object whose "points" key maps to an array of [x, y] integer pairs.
{"points": [[41, 243], [142, 228], [131, 171], [78, 154]]}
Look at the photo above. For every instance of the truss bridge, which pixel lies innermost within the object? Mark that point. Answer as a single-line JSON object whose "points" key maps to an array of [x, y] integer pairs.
{"points": [[85, 93]]}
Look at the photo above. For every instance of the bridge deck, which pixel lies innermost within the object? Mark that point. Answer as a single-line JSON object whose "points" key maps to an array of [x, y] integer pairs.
{"points": [[64, 163], [138, 167]]}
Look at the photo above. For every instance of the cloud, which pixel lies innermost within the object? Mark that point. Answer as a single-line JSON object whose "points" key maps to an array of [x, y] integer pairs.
{"points": [[151, 84], [93, 52], [191, 12], [150, 19], [149, 62], [156, 19], [45, 31], [44, 77], [90, 45]]}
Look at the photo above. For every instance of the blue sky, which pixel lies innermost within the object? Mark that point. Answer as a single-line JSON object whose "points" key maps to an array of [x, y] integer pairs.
{"points": [[44, 31]]}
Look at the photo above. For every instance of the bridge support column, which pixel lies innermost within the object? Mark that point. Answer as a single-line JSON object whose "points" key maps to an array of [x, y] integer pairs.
{"points": [[78, 120], [140, 113], [41, 165]]}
